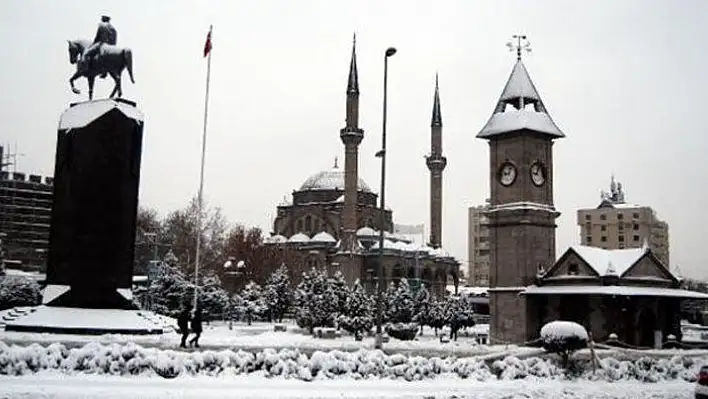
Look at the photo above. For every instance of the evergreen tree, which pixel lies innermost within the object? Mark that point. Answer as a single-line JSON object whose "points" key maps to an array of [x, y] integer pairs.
{"points": [[277, 293], [421, 306], [213, 299], [315, 301], [401, 304], [340, 289], [435, 316], [250, 303], [359, 311], [458, 314], [168, 292]]}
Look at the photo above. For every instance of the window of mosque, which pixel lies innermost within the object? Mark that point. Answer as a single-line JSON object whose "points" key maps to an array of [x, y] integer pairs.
{"points": [[308, 223], [299, 226]]}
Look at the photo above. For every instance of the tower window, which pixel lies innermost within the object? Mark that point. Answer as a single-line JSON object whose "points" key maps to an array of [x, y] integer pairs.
{"points": [[621, 238], [603, 217], [635, 215], [308, 223], [299, 226], [603, 228], [620, 227], [620, 216], [588, 239], [587, 217], [635, 238], [636, 226], [603, 239]]}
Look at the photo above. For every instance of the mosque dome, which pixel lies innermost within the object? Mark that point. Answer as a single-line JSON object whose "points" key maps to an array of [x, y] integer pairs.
{"points": [[331, 179]]}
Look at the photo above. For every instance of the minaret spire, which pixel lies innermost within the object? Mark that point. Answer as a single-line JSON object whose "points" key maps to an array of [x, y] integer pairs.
{"points": [[353, 84], [437, 117], [436, 163]]}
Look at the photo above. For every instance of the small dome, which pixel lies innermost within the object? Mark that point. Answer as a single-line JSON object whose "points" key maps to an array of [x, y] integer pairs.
{"points": [[367, 232], [388, 244], [276, 239], [323, 236], [331, 179], [299, 237]]}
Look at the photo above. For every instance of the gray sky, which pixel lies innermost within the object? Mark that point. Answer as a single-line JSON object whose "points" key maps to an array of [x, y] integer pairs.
{"points": [[624, 80]]}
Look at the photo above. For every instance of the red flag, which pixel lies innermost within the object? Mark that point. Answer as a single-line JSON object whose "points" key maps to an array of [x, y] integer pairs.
{"points": [[207, 45]]}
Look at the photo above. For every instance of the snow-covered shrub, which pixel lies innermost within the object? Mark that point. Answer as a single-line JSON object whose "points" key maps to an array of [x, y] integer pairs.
{"points": [[399, 303], [402, 331], [19, 291], [563, 338], [213, 298]]}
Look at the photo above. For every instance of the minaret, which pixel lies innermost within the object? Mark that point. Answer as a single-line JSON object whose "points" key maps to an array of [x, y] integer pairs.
{"points": [[436, 164], [351, 136]]}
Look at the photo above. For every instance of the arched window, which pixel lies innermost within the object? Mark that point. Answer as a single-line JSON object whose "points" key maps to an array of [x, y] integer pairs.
{"points": [[308, 223], [299, 226]]}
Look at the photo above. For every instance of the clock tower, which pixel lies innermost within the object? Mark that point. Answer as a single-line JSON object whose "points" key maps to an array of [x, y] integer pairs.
{"points": [[521, 215]]}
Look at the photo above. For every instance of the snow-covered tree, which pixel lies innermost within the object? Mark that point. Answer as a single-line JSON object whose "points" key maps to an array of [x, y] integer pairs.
{"points": [[359, 311], [169, 292], [19, 291], [315, 302], [435, 317], [400, 304], [421, 306], [277, 293], [213, 299], [338, 285], [458, 314], [563, 338], [250, 304]]}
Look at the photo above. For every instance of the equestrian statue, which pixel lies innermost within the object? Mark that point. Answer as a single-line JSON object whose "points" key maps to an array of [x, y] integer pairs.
{"points": [[100, 58]]}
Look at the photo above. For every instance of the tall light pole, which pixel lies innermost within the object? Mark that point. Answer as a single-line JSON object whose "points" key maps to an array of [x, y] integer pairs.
{"points": [[382, 213]]}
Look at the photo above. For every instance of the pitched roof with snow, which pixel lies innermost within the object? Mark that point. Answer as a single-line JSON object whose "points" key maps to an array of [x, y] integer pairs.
{"points": [[511, 113], [609, 261]]}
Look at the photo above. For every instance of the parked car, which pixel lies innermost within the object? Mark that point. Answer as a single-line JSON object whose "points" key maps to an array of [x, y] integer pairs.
{"points": [[701, 389]]}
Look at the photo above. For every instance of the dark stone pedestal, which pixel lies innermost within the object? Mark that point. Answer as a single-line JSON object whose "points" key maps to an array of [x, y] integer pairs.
{"points": [[96, 179]]}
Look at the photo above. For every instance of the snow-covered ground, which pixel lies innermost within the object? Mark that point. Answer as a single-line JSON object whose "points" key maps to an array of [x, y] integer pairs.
{"points": [[60, 386]]}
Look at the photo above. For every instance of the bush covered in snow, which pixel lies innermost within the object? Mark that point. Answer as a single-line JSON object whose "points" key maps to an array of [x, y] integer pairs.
{"points": [[563, 338], [358, 312], [130, 359], [19, 291]]}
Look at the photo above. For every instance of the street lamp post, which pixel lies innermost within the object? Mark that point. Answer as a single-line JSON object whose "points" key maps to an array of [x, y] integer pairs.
{"points": [[228, 265], [382, 214]]}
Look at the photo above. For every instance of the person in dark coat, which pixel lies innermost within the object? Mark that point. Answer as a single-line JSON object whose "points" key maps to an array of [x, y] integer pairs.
{"points": [[183, 324], [196, 328]]}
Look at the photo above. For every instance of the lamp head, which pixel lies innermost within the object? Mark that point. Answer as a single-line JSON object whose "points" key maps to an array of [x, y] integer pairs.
{"points": [[390, 51]]}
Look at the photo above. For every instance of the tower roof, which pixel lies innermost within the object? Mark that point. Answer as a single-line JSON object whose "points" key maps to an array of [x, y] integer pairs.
{"points": [[520, 108], [436, 120], [353, 82]]}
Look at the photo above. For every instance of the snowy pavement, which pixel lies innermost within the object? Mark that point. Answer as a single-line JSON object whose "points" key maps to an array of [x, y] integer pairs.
{"points": [[59, 386]]}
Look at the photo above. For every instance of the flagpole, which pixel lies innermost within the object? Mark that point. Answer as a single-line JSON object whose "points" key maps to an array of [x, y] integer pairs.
{"points": [[200, 200]]}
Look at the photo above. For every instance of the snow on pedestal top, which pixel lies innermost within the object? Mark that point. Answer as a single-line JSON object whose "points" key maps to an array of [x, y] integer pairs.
{"points": [[563, 329], [84, 113]]}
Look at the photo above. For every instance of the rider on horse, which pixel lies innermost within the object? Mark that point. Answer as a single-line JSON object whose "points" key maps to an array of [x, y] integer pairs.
{"points": [[107, 34]]}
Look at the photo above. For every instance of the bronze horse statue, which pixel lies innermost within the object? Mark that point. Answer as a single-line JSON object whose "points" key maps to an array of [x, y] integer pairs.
{"points": [[110, 60]]}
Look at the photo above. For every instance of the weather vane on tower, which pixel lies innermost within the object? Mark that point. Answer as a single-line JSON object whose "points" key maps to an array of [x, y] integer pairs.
{"points": [[519, 46]]}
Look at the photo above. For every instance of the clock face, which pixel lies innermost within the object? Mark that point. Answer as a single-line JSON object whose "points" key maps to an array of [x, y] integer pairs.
{"points": [[507, 174], [538, 174]]}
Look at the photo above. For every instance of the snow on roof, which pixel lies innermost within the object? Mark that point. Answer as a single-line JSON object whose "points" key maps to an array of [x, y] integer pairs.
{"points": [[511, 113], [621, 290], [53, 291], [522, 205], [514, 119], [323, 236], [520, 84], [469, 290], [563, 329], [340, 198], [367, 232], [299, 237], [84, 113], [388, 244], [440, 252], [331, 179], [276, 239], [603, 261]]}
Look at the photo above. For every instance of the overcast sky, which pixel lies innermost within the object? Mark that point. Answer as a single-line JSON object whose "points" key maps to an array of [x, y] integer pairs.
{"points": [[625, 81]]}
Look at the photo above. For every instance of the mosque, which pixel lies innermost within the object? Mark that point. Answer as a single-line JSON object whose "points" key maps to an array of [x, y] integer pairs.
{"points": [[333, 221]]}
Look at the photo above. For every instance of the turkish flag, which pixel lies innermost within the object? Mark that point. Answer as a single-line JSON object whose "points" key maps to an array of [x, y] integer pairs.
{"points": [[207, 45]]}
